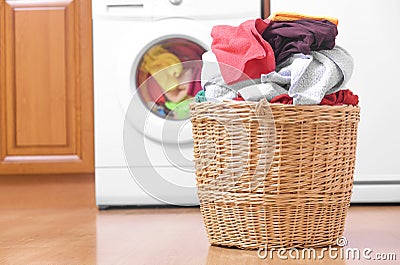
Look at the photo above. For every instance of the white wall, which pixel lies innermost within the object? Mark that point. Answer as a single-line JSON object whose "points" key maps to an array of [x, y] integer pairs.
{"points": [[370, 31]]}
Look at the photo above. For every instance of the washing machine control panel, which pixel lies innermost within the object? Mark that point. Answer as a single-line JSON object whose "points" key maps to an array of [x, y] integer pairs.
{"points": [[165, 9]]}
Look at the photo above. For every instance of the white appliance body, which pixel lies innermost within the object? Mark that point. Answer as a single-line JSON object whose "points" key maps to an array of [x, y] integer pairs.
{"points": [[126, 131], [369, 30]]}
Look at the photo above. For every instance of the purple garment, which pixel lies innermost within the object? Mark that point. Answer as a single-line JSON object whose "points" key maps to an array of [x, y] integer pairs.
{"points": [[299, 36]]}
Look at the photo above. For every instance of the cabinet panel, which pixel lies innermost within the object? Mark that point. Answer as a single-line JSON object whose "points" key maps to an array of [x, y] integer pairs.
{"points": [[46, 87], [40, 78]]}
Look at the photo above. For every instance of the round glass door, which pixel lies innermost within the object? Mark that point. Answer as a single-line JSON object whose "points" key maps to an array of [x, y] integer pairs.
{"points": [[168, 77]]}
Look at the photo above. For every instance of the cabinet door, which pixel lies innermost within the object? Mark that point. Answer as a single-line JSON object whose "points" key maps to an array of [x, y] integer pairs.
{"points": [[46, 108]]}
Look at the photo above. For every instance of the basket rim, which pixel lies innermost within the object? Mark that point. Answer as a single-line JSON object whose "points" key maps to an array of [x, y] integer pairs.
{"points": [[276, 105]]}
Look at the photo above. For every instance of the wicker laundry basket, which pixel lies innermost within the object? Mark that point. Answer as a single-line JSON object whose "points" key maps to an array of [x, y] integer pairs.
{"points": [[281, 182]]}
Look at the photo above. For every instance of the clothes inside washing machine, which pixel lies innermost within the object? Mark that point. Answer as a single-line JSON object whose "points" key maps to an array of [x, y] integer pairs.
{"points": [[168, 77]]}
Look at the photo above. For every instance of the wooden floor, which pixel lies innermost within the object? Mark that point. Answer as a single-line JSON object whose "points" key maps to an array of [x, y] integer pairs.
{"points": [[160, 236]]}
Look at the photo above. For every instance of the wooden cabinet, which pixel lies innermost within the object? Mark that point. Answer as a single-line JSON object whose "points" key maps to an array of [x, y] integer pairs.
{"points": [[46, 90]]}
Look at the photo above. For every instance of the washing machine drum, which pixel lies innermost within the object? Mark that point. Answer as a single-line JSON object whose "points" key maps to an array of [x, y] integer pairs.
{"points": [[166, 79]]}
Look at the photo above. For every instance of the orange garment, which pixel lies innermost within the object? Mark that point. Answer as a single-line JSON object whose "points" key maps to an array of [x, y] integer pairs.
{"points": [[290, 16]]}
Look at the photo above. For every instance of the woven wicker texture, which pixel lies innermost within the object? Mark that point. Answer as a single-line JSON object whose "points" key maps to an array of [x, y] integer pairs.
{"points": [[274, 175]]}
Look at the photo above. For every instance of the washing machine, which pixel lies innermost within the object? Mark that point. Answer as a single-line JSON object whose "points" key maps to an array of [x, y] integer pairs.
{"points": [[143, 139]]}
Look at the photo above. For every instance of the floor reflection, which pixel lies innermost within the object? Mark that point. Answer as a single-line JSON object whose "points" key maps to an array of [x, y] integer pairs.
{"points": [[161, 236]]}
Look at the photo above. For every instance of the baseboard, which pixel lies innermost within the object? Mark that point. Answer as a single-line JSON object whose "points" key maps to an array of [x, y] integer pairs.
{"points": [[376, 193], [47, 191]]}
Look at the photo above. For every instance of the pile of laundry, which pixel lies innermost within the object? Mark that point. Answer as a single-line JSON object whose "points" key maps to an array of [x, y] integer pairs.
{"points": [[288, 58]]}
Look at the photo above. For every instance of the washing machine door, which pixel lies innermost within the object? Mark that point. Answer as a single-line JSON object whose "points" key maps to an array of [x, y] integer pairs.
{"points": [[165, 78]]}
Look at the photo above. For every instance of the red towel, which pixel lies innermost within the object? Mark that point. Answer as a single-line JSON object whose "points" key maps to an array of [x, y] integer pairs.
{"points": [[239, 98], [283, 99], [243, 48], [342, 97]]}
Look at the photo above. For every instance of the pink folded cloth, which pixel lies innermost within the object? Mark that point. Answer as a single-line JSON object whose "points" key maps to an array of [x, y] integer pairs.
{"points": [[243, 48]]}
